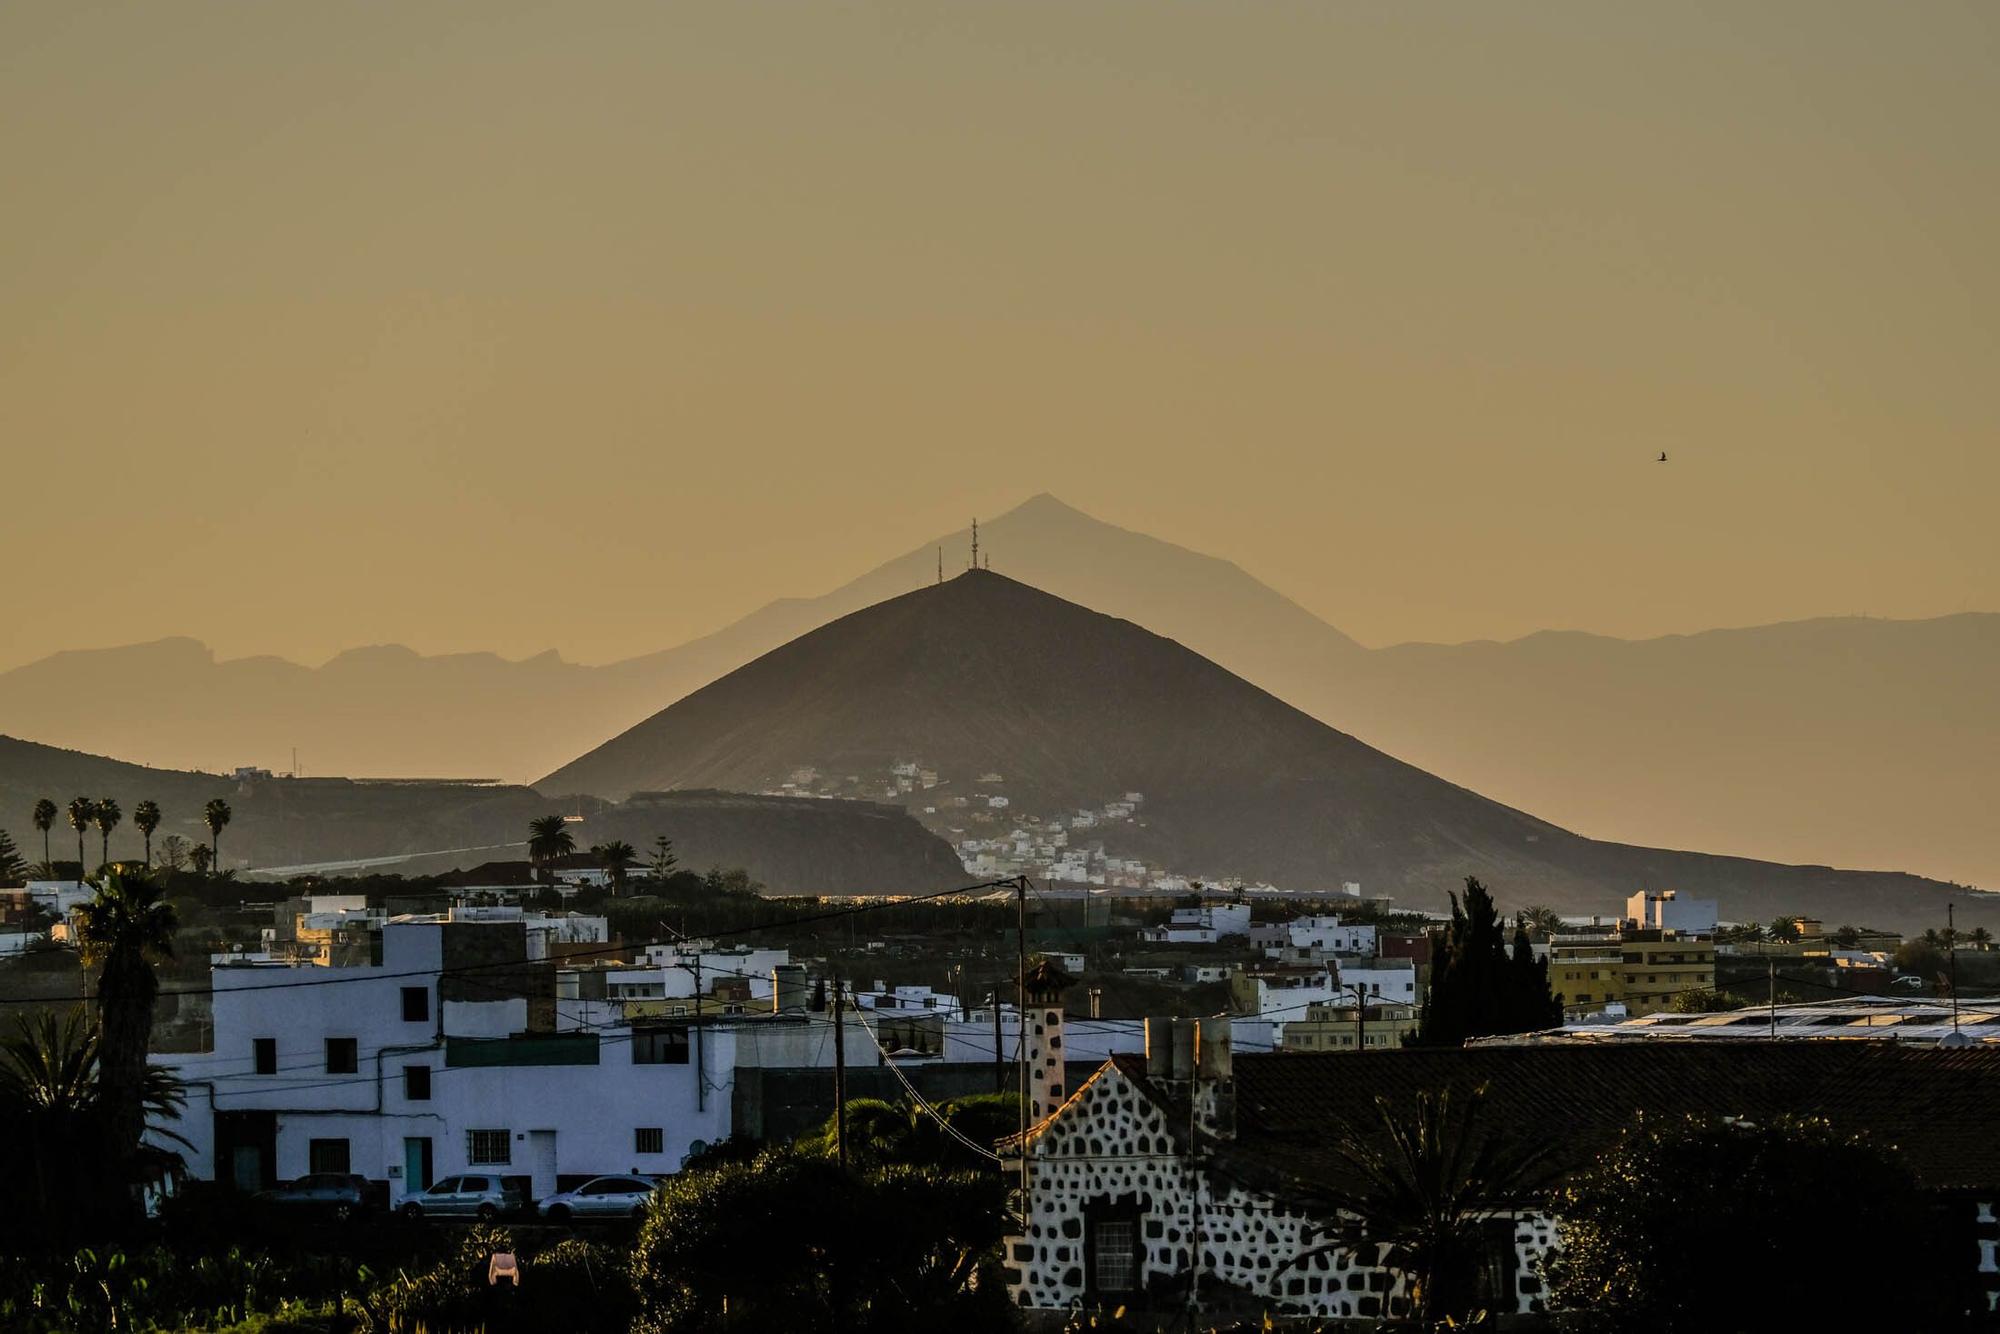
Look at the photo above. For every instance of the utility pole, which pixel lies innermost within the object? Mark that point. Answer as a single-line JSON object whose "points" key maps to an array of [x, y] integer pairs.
{"points": [[1771, 970], [700, 1066], [999, 1057], [1021, 1035], [839, 1075], [1951, 944]]}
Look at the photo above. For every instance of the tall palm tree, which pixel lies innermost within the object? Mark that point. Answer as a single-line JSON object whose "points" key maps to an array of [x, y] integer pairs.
{"points": [[617, 857], [1542, 921], [548, 839], [1421, 1183], [123, 931], [146, 817], [106, 818], [45, 820], [82, 810], [216, 816]]}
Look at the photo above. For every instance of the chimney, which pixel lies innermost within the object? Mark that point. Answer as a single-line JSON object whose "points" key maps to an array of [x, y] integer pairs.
{"points": [[1042, 987], [790, 992], [1192, 1058], [1214, 1077]]}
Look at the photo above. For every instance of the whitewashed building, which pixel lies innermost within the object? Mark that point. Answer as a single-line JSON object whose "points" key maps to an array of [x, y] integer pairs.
{"points": [[442, 1058], [1323, 934], [1202, 925]]}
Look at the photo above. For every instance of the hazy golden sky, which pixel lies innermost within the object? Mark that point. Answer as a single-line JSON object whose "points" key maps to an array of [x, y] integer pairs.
{"points": [[595, 325]]}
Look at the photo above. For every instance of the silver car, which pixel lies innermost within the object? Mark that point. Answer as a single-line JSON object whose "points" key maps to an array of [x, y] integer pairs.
{"points": [[604, 1197], [475, 1195]]}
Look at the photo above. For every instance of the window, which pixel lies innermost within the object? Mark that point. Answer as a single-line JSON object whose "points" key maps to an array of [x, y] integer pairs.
{"points": [[448, 1186], [265, 1051], [649, 1139], [342, 1056], [416, 1005], [660, 1046], [327, 1155], [488, 1147], [1115, 1264], [417, 1083]]}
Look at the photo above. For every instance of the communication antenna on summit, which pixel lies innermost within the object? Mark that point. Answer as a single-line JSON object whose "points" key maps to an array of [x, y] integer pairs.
{"points": [[940, 564], [975, 544]]}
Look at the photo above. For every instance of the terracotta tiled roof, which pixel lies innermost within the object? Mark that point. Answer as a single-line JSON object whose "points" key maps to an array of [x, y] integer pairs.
{"points": [[1938, 1106]]}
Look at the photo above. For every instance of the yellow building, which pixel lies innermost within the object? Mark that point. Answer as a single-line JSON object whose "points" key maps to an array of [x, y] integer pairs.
{"points": [[1586, 972], [1660, 964], [1333, 1028]]}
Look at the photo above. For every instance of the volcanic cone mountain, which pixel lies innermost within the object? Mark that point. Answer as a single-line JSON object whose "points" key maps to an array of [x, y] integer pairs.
{"points": [[1001, 691]]}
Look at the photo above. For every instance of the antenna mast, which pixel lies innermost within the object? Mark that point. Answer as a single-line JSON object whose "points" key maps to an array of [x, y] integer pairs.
{"points": [[975, 544], [940, 564]]}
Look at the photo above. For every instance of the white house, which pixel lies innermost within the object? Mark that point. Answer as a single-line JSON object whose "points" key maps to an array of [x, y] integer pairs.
{"points": [[1668, 911], [1383, 979], [1203, 925], [1327, 935], [437, 1061]]}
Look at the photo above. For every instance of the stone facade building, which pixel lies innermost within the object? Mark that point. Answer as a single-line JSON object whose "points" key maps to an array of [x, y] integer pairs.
{"points": [[1188, 1175]]}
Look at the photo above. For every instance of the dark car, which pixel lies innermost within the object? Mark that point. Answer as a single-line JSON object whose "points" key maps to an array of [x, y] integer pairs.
{"points": [[341, 1195]]}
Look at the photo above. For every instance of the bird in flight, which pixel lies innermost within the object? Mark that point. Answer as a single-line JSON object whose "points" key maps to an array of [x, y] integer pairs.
{"points": [[1663, 456]]}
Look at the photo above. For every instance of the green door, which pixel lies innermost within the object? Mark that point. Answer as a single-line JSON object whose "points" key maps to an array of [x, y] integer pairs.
{"points": [[416, 1165]]}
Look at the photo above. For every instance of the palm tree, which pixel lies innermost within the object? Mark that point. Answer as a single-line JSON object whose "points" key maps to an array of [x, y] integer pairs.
{"points": [[201, 858], [1542, 921], [1980, 937], [146, 817], [1422, 1184], [548, 839], [617, 857], [45, 820], [51, 1080], [48, 1079], [216, 816], [82, 810], [123, 930], [106, 818]]}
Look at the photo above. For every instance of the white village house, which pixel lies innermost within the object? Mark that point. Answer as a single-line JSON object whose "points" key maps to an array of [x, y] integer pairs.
{"points": [[442, 1058]]}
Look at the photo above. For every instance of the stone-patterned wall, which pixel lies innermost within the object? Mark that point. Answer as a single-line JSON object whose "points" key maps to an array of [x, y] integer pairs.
{"points": [[1044, 1058], [1111, 1146]]}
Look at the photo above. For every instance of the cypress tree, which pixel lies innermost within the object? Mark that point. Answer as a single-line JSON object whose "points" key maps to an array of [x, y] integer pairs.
{"points": [[12, 868], [1478, 986]]}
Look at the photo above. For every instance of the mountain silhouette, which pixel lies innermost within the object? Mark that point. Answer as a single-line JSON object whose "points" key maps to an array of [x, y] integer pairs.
{"points": [[1060, 708], [1855, 740]]}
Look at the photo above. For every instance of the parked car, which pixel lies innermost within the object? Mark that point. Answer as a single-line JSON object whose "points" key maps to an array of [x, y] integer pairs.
{"points": [[603, 1197], [339, 1194], [474, 1195]]}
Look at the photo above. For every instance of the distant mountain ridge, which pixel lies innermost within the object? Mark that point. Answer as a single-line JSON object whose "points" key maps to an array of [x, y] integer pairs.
{"points": [[1059, 707], [1863, 742]]}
